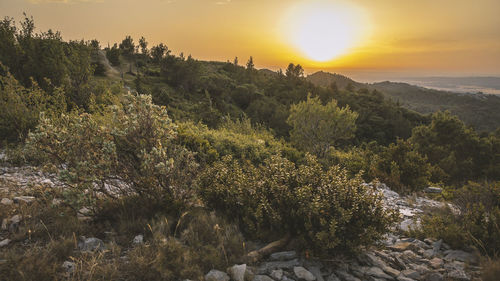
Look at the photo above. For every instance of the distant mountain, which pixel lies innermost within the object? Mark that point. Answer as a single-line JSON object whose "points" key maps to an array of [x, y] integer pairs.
{"points": [[482, 111], [488, 85]]}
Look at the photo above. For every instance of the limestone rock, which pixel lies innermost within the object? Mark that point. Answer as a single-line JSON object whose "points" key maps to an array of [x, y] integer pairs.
{"points": [[216, 275], [303, 273], [91, 244], [277, 274], [461, 256], [4, 243], [237, 272], [139, 239], [262, 278]]}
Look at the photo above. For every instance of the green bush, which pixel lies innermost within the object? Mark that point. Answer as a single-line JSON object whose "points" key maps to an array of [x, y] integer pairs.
{"points": [[326, 210], [477, 222], [129, 150]]}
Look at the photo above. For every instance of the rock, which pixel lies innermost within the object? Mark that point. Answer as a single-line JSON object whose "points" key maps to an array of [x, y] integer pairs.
{"points": [[410, 273], [91, 244], [436, 263], [315, 270], [461, 256], [409, 256], [391, 271], [434, 276], [56, 202], [346, 276], [432, 189], [458, 275], [237, 272], [262, 278], [377, 272], [139, 239], [68, 266], [422, 269], [400, 246], [6, 201], [332, 277], [84, 214], [266, 267], [47, 182], [437, 246], [216, 275], [24, 199], [403, 278], [5, 224], [372, 260], [4, 243], [277, 274], [428, 253], [303, 273], [407, 225], [283, 256], [15, 219]]}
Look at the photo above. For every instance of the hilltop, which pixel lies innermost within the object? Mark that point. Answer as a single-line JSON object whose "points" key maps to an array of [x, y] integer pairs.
{"points": [[477, 110]]}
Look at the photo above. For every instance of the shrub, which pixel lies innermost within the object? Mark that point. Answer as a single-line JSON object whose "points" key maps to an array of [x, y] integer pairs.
{"points": [[128, 151], [326, 209], [476, 224]]}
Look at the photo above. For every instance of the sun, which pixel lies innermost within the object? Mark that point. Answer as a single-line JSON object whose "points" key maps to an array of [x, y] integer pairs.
{"points": [[323, 30]]}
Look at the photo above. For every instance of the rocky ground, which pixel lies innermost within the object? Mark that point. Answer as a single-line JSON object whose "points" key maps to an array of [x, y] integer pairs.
{"points": [[395, 258]]}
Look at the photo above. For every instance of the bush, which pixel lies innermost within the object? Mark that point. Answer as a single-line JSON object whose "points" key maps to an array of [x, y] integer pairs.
{"points": [[476, 224], [327, 210], [128, 151]]}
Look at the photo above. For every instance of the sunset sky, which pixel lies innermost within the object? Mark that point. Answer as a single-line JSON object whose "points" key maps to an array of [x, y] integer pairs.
{"points": [[364, 39]]}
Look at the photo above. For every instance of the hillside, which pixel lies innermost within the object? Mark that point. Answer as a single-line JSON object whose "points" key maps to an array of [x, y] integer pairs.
{"points": [[478, 110]]}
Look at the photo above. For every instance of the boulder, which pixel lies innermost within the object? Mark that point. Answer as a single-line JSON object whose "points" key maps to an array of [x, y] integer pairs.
{"points": [[377, 272], [237, 272], [461, 256], [139, 239], [436, 263], [91, 244], [303, 273], [216, 275], [315, 270], [458, 275], [68, 266], [266, 267], [434, 276], [277, 274], [410, 273]]}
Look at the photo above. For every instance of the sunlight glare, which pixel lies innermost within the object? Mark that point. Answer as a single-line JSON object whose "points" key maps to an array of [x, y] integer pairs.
{"points": [[323, 30]]}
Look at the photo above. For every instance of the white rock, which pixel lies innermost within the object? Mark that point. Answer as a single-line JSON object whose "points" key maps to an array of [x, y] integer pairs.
{"points": [[237, 272], [6, 201], [216, 275], [303, 273], [139, 239], [91, 244], [277, 274], [4, 243]]}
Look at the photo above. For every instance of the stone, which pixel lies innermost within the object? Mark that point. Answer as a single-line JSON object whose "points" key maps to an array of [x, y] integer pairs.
{"points": [[91, 244], [277, 274], [458, 275], [84, 214], [346, 276], [409, 256], [428, 253], [461, 256], [434, 276], [68, 266], [56, 202], [371, 259], [139, 239], [403, 278], [391, 271], [24, 199], [47, 182], [400, 246], [4, 243], [283, 256], [5, 223], [433, 189], [410, 273], [315, 270], [436, 263], [303, 273], [437, 246], [237, 272], [377, 272], [332, 277], [15, 219], [6, 201], [266, 267], [216, 275], [262, 278]]}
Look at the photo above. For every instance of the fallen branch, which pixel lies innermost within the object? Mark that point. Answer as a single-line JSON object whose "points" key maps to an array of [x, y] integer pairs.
{"points": [[270, 248]]}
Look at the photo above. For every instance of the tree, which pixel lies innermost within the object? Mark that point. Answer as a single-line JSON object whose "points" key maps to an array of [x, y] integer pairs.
{"points": [[144, 45], [158, 52], [127, 46], [250, 65], [235, 61], [316, 127], [294, 71]]}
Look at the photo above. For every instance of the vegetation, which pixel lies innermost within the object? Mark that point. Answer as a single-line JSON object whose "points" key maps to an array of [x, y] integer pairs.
{"points": [[203, 157]]}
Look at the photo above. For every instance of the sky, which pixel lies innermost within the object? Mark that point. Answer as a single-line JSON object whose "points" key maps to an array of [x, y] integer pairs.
{"points": [[364, 39]]}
